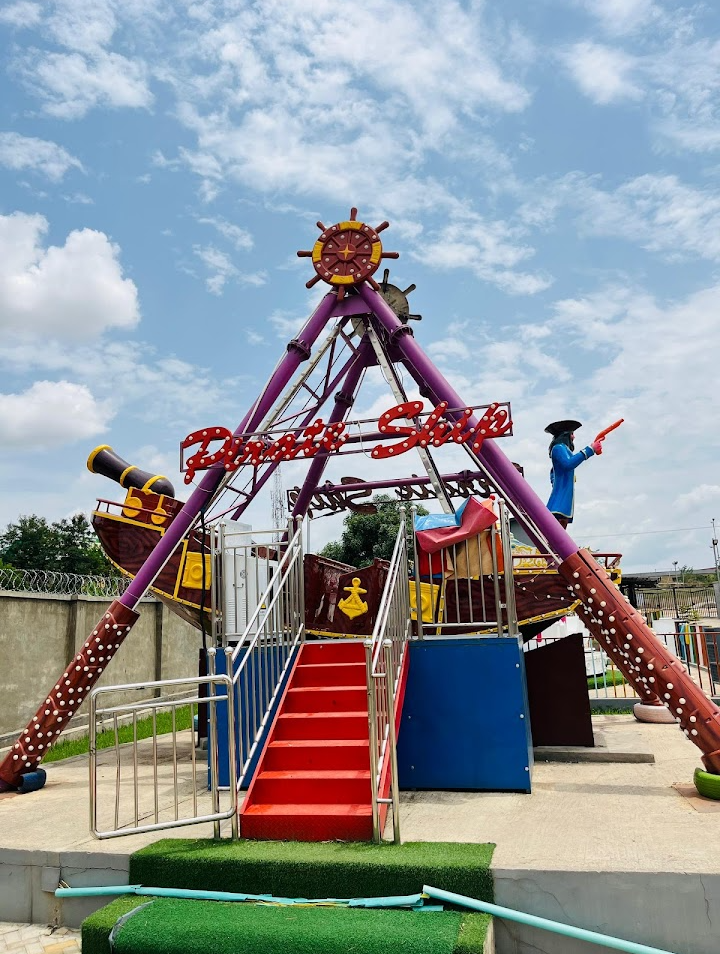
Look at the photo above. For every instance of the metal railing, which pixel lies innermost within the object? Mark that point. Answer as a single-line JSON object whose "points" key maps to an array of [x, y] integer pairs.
{"points": [[65, 584], [677, 602], [384, 661], [162, 786], [695, 645], [266, 648], [458, 589]]}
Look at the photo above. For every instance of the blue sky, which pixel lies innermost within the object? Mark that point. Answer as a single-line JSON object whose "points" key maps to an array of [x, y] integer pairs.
{"points": [[551, 172]]}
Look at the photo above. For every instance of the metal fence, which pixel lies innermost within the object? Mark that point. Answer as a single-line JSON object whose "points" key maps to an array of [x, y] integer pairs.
{"points": [[677, 602], [265, 650], [154, 782], [66, 584], [697, 646], [384, 660]]}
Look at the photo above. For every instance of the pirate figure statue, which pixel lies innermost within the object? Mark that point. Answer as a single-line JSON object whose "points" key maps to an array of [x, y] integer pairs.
{"points": [[564, 462]]}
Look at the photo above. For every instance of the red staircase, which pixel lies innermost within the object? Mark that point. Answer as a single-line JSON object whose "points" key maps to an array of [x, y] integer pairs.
{"points": [[313, 777]]}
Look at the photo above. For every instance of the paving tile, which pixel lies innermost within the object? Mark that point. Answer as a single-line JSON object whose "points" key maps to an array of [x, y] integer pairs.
{"points": [[38, 939]]}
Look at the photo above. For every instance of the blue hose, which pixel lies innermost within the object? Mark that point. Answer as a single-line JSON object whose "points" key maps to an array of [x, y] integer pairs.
{"points": [[567, 930]]}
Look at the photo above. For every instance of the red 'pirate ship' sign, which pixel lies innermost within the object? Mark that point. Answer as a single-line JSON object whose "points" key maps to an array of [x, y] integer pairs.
{"points": [[436, 429]]}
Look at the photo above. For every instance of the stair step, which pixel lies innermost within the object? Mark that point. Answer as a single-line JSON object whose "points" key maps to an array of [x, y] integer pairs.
{"points": [[321, 726], [332, 652], [340, 809], [325, 699], [329, 674], [324, 787], [308, 821], [316, 754], [321, 788]]}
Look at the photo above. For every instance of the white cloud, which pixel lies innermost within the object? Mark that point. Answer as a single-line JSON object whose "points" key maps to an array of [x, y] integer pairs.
{"points": [[71, 84], [703, 495], [50, 414], [219, 266], [623, 16], [273, 99], [602, 73], [23, 14], [491, 249], [667, 61], [657, 212], [240, 238], [86, 25], [222, 270], [73, 291], [27, 152]]}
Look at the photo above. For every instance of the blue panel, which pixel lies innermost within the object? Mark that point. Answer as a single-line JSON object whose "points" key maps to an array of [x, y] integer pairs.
{"points": [[465, 722], [250, 676]]}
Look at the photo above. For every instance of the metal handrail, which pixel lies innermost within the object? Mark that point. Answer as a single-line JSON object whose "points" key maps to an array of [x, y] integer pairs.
{"points": [[279, 577], [384, 660], [266, 649], [212, 681]]}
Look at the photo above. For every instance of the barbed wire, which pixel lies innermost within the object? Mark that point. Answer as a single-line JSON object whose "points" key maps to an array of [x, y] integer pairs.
{"points": [[65, 584]]}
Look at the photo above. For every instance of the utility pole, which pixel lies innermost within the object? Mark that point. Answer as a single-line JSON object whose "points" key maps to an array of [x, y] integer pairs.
{"points": [[715, 551]]}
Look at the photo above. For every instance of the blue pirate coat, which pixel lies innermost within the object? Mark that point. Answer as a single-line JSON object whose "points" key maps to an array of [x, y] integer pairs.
{"points": [[562, 478]]}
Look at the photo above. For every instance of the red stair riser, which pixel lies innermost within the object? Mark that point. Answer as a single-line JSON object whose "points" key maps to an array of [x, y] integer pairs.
{"points": [[326, 699], [329, 674], [298, 828], [322, 756], [281, 791], [336, 651], [336, 727]]}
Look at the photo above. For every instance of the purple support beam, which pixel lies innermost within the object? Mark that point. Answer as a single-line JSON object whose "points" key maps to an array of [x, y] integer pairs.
{"points": [[344, 399], [498, 466], [297, 351]]}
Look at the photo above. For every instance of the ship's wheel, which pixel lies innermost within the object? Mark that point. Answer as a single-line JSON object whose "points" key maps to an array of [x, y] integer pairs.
{"points": [[347, 254]]}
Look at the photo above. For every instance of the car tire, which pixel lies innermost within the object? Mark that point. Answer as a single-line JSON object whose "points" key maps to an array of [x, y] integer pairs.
{"points": [[657, 714], [707, 784]]}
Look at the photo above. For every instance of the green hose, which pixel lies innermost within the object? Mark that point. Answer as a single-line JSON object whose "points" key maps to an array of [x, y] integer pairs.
{"points": [[567, 930]]}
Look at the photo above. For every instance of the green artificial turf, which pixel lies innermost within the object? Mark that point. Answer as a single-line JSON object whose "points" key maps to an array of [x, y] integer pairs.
{"points": [[169, 926], [315, 869], [473, 932], [68, 748], [96, 929]]}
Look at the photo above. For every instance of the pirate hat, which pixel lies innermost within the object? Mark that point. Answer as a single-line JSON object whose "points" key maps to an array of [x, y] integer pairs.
{"points": [[562, 427]]}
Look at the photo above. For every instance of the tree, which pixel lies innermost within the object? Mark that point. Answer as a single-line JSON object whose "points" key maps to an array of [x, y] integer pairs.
{"points": [[67, 546], [367, 536]]}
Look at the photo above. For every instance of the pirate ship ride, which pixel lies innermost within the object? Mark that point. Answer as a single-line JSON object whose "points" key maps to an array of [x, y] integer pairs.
{"points": [[166, 545], [454, 567]]}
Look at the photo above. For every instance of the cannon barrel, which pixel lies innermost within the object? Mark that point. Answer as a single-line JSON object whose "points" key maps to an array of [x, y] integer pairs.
{"points": [[103, 460]]}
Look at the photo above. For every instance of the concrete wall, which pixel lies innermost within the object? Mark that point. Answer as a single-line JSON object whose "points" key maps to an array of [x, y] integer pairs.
{"points": [[673, 911], [40, 633]]}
